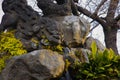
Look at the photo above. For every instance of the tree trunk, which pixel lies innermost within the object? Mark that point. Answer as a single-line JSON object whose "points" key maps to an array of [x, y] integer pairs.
{"points": [[111, 38]]}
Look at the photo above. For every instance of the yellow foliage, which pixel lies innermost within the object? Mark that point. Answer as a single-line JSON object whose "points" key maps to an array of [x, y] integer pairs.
{"points": [[9, 46], [2, 62], [35, 41], [58, 48], [67, 64]]}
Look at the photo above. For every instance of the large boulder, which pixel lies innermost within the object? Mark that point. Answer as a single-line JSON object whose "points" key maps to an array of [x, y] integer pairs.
{"points": [[0, 77], [74, 28], [44, 29], [89, 41], [57, 29], [81, 54], [76, 55], [36, 65], [66, 30]]}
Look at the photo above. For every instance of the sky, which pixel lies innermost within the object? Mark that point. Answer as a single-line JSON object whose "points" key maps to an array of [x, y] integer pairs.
{"points": [[1, 12], [96, 33]]}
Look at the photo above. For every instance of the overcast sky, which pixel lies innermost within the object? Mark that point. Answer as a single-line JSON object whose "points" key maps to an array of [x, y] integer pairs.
{"points": [[1, 12]]}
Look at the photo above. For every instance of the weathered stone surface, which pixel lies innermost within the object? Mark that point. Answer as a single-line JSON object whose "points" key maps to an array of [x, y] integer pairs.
{"points": [[60, 8], [89, 41], [36, 65], [56, 26], [77, 55], [75, 30], [0, 77], [29, 24], [68, 30], [15, 11], [44, 29], [81, 54]]}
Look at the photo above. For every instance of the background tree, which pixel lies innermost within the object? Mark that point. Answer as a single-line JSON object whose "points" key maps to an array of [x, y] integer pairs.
{"points": [[106, 13]]}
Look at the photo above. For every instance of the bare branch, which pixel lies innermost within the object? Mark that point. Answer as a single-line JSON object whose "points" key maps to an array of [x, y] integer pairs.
{"points": [[117, 18], [102, 13], [84, 11], [94, 27], [99, 6], [118, 23], [89, 14], [112, 9], [92, 21], [88, 2]]}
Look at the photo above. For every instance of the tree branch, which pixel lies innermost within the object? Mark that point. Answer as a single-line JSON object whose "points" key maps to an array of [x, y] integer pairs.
{"points": [[99, 6], [112, 9], [117, 18], [89, 14], [94, 27]]}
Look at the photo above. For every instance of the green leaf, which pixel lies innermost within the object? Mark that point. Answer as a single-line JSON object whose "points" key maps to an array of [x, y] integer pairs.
{"points": [[94, 50], [110, 69], [94, 47], [103, 65], [101, 68], [102, 75], [85, 72], [108, 65], [90, 75]]}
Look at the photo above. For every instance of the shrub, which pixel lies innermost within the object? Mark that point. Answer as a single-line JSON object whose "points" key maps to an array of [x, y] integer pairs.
{"points": [[103, 65], [9, 47]]}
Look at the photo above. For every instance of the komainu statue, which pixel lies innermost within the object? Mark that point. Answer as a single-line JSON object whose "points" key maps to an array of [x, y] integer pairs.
{"points": [[60, 23], [28, 23], [65, 12], [15, 11]]}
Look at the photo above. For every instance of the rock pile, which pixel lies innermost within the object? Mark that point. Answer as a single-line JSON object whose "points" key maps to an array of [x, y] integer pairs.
{"points": [[66, 32]]}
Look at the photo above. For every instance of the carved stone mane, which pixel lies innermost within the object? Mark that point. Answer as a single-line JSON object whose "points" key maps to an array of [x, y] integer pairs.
{"points": [[16, 10], [29, 24], [61, 8]]}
